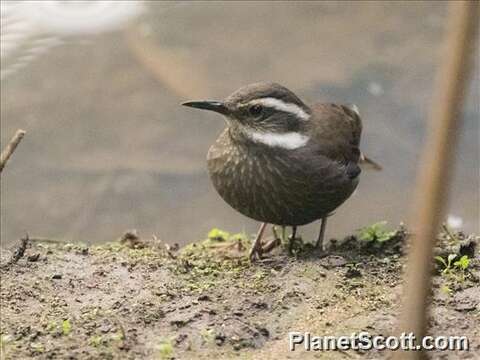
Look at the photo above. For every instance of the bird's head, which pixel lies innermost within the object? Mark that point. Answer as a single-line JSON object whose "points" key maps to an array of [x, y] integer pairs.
{"points": [[265, 113]]}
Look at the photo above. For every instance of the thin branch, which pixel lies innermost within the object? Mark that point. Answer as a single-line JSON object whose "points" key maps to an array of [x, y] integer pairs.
{"points": [[10, 148], [434, 179]]}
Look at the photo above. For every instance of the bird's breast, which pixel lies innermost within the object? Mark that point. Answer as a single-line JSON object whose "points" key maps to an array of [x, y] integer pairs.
{"points": [[273, 185]]}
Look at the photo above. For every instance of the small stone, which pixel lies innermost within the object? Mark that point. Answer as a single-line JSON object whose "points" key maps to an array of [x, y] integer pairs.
{"points": [[352, 273], [333, 261], [180, 338], [260, 305], [220, 339], [56, 276], [263, 331], [34, 257], [105, 328]]}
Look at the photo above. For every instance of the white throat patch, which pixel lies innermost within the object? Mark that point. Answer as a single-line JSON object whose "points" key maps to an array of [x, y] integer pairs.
{"points": [[290, 140], [283, 106]]}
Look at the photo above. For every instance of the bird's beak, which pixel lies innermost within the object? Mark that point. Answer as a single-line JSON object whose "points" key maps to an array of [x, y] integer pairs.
{"points": [[216, 106]]}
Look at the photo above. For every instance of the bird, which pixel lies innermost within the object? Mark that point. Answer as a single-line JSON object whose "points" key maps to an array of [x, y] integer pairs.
{"points": [[279, 161]]}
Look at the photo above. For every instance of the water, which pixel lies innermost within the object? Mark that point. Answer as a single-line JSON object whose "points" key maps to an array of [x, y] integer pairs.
{"points": [[109, 148]]}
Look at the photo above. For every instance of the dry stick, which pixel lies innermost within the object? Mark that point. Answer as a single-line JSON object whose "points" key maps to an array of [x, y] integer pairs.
{"points": [[11, 146], [437, 161]]}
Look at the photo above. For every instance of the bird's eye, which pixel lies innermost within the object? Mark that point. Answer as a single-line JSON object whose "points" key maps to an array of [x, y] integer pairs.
{"points": [[255, 110]]}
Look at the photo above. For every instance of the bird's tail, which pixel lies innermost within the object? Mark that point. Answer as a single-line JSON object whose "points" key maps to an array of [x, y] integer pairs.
{"points": [[369, 163]]}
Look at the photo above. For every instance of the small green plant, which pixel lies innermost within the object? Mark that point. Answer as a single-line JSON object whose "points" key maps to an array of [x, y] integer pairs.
{"points": [[165, 349], [376, 233], [453, 272], [59, 327], [218, 235], [462, 263], [66, 327], [450, 265], [95, 340], [51, 326], [446, 263], [446, 289]]}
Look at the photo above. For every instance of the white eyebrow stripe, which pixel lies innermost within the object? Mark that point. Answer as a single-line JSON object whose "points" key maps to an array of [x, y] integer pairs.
{"points": [[282, 106], [289, 140]]}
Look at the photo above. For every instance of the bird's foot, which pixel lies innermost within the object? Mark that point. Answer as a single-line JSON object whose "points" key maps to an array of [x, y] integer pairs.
{"points": [[256, 250], [294, 244], [320, 252], [268, 247], [272, 244], [256, 253]]}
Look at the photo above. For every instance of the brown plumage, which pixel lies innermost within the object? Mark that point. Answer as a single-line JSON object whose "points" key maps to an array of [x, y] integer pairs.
{"points": [[284, 163]]}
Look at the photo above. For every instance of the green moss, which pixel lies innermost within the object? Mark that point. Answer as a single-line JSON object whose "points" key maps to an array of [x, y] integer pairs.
{"points": [[463, 263], [220, 257], [143, 255], [59, 327], [218, 235], [165, 349], [66, 327], [52, 326], [95, 340], [376, 233]]}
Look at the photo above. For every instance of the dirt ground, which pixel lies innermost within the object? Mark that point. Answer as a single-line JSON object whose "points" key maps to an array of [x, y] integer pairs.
{"points": [[135, 299]]}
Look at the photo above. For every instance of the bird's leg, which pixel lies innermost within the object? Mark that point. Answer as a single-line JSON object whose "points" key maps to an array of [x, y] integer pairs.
{"points": [[321, 235], [291, 240], [275, 233], [284, 234], [256, 250]]}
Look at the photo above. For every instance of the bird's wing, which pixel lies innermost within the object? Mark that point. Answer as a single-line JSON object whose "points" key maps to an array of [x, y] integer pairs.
{"points": [[336, 129]]}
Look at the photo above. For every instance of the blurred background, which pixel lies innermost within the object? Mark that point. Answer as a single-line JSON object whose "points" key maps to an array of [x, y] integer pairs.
{"points": [[97, 86]]}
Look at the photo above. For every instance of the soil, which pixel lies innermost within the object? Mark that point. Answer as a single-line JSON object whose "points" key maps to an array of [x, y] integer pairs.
{"points": [[136, 299]]}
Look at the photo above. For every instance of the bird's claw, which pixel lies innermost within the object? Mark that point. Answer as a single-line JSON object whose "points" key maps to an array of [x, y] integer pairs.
{"points": [[272, 244], [291, 243], [255, 254]]}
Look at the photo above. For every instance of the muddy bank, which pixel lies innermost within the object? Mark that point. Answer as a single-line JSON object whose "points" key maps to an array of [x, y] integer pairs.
{"points": [[140, 299]]}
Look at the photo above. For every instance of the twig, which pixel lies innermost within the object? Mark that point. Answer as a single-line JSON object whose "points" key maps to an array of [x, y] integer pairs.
{"points": [[453, 238], [10, 148], [434, 178], [18, 253]]}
